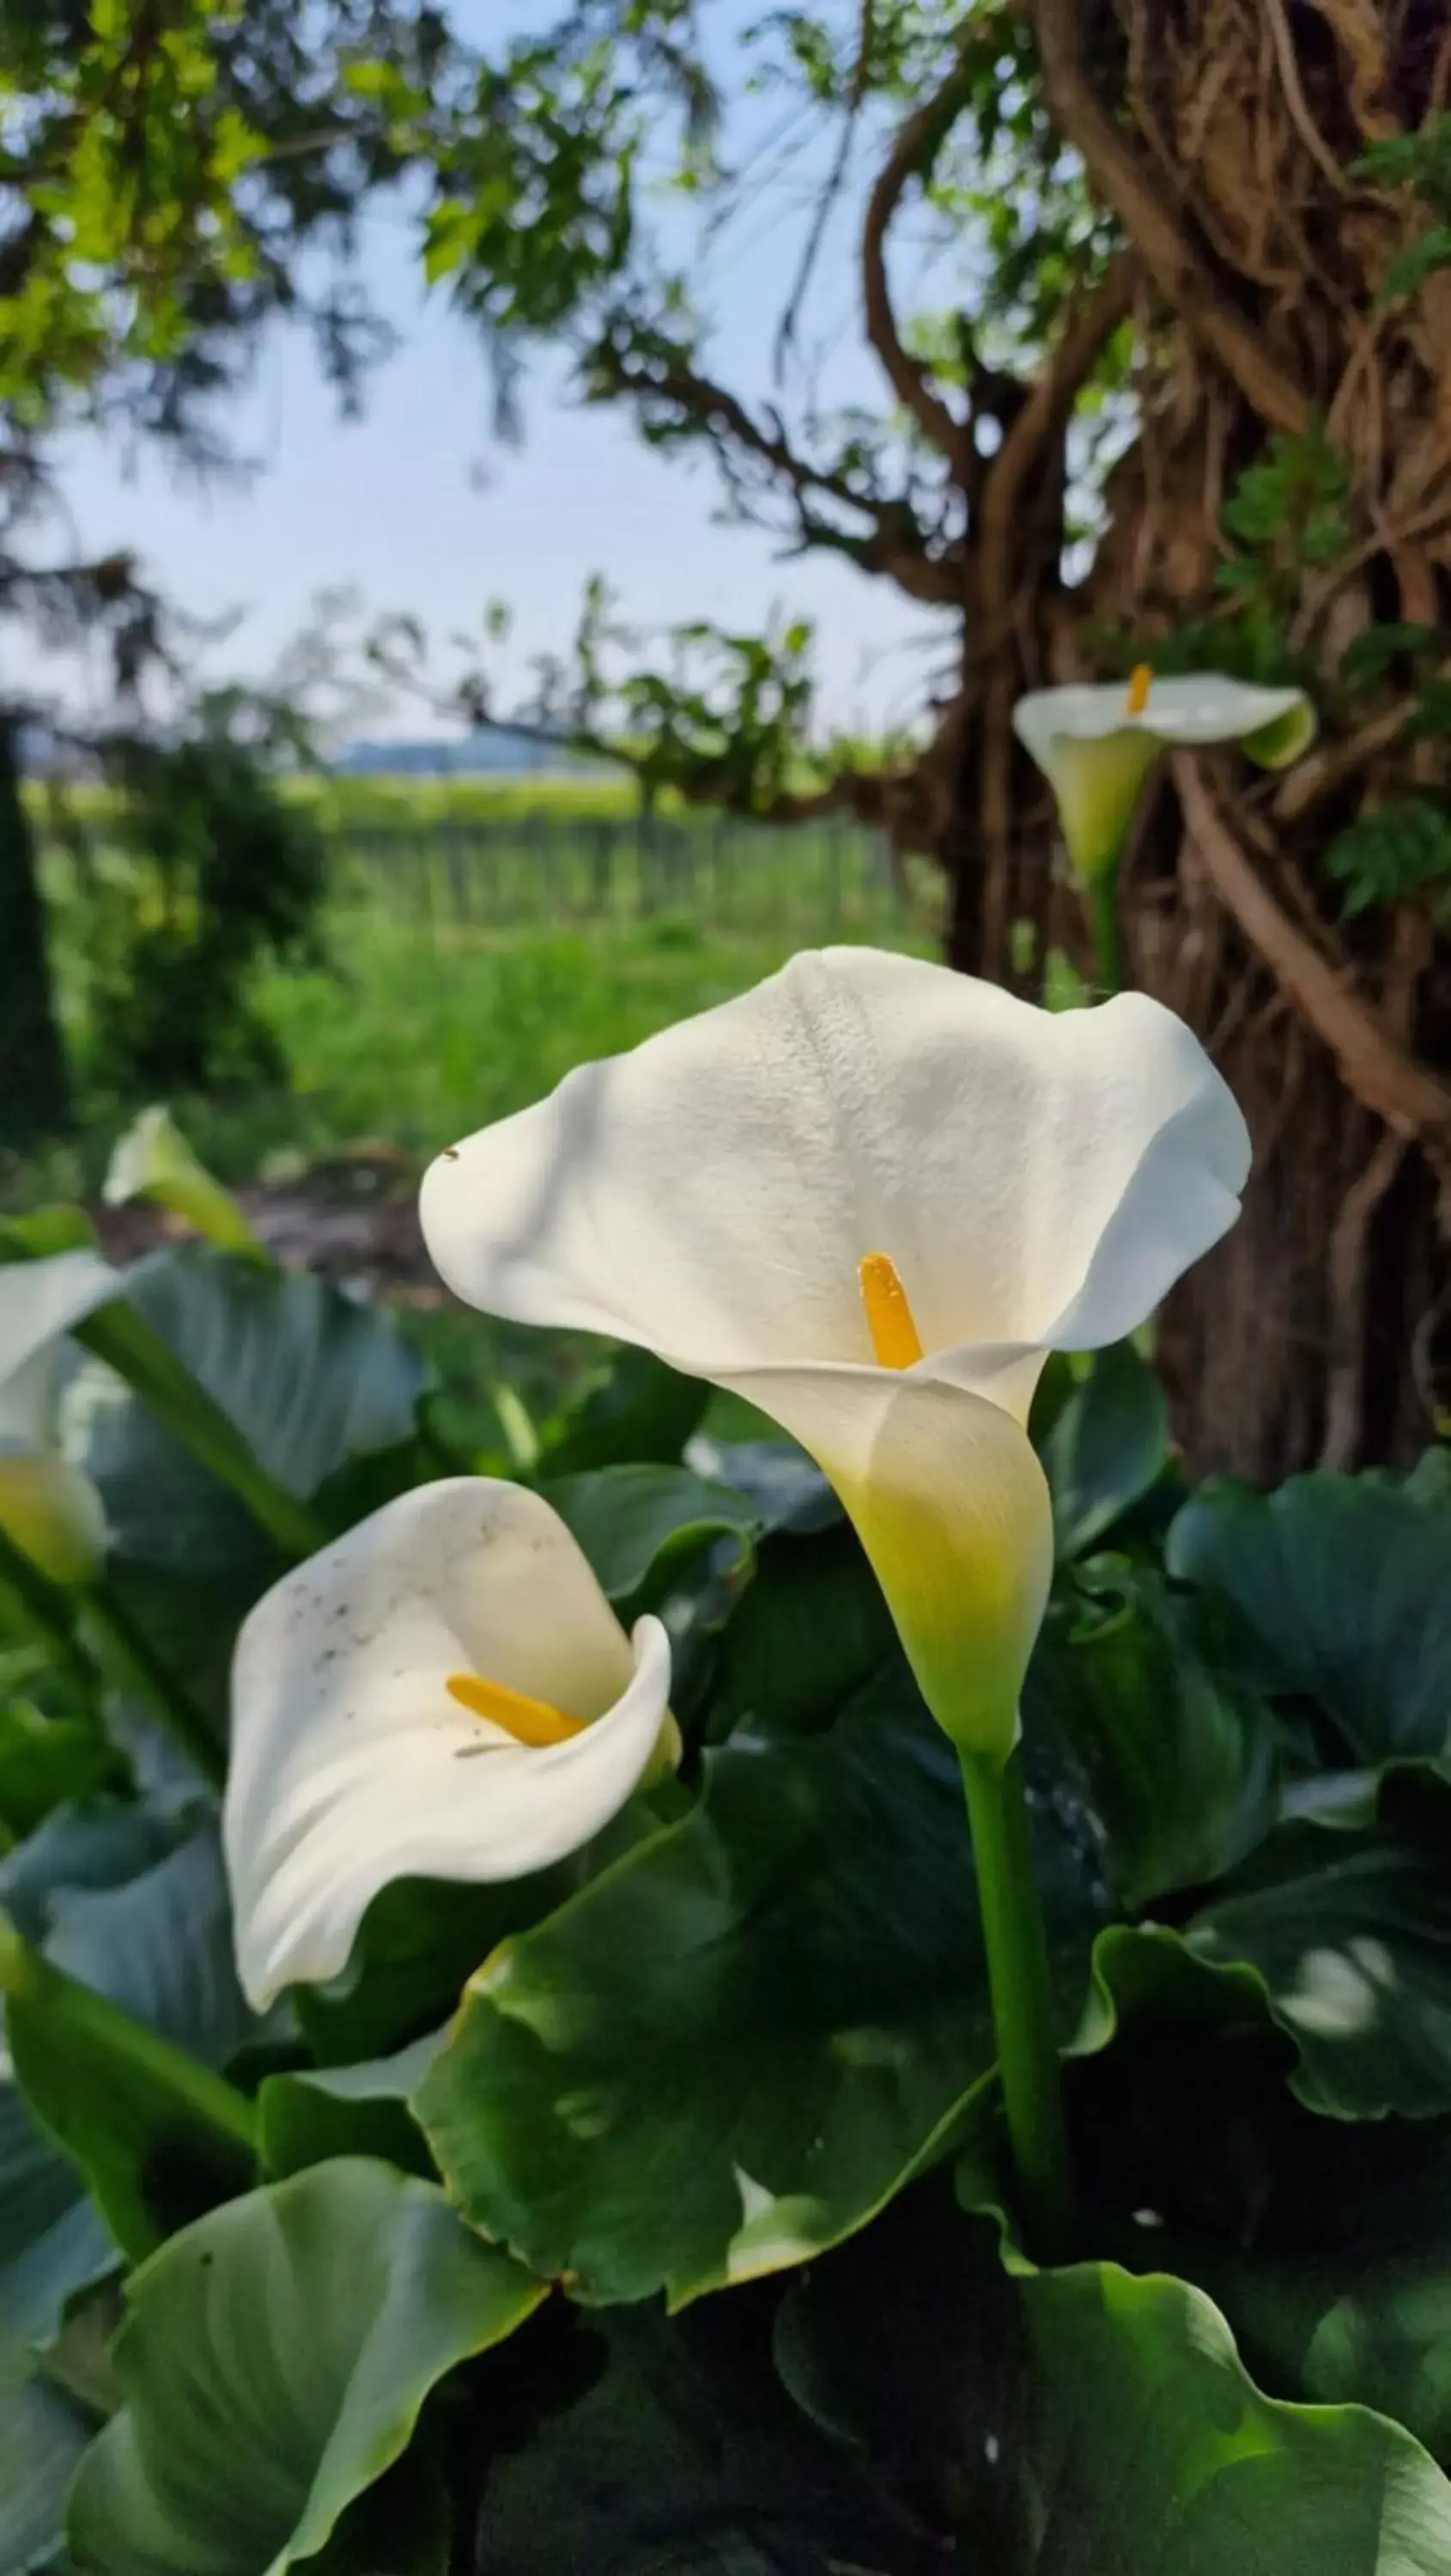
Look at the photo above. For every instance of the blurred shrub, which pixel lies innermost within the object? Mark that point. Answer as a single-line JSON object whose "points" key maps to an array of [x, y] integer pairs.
{"points": [[210, 868]]}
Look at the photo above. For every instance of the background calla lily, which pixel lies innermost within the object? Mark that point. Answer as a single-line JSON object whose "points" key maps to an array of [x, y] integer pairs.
{"points": [[48, 1508], [1096, 746], [1025, 1182], [442, 1693], [154, 1161]]}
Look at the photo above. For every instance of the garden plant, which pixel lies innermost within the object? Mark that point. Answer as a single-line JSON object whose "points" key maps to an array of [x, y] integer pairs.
{"points": [[820, 1963]]}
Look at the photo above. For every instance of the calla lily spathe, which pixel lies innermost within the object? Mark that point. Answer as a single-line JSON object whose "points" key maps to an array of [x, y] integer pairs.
{"points": [[442, 1693], [1096, 746], [49, 1508], [154, 1161], [1014, 1182]]}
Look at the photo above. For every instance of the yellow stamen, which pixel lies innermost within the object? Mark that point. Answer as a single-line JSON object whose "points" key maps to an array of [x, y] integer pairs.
{"points": [[529, 1721], [1141, 680], [895, 1337]]}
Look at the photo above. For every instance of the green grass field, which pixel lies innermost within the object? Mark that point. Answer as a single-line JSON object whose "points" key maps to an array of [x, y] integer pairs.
{"points": [[413, 1037]]}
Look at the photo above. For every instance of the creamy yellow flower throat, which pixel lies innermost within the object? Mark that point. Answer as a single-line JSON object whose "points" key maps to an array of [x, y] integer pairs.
{"points": [[897, 1344]]}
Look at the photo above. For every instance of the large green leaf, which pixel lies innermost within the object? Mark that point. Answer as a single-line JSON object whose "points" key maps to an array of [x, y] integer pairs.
{"points": [[275, 2358], [810, 1630], [681, 2456], [311, 1378], [641, 1411], [1345, 2293], [1351, 1932], [1156, 2454], [743, 2038], [633, 1522], [99, 1844], [307, 2116], [154, 2142], [787, 1488], [1089, 2420], [1107, 1447], [1344, 1585], [42, 2438], [47, 1762], [53, 2240], [1178, 1763]]}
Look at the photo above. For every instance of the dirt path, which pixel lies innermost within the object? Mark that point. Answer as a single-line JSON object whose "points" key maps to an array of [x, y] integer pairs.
{"points": [[354, 1220]]}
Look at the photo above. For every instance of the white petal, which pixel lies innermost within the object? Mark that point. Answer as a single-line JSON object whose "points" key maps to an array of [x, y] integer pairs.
{"points": [[711, 1194], [40, 1302], [1198, 708], [950, 1503], [351, 1764], [154, 1161]]}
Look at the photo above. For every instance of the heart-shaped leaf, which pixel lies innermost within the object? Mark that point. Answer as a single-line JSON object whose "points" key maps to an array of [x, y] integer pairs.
{"points": [[631, 1521], [1341, 1583], [737, 2043], [275, 2358], [1107, 1447], [1179, 1763]]}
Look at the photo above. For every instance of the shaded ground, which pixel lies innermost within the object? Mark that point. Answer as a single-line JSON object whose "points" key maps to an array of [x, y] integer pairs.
{"points": [[353, 1219]]}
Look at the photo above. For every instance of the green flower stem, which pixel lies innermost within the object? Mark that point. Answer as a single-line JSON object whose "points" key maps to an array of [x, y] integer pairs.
{"points": [[49, 1613], [121, 1337], [30, 1980], [137, 1666], [1107, 943], [1022, 2000]]}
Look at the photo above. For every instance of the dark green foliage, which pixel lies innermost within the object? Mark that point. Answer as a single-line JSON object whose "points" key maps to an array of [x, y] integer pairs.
{"points": [[225, 871], [738, 2050]]}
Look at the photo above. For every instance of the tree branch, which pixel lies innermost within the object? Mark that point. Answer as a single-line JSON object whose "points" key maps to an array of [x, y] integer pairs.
{"points": [[1141, 208], [1382, 1074], [1323, 771], [1040, 425], [917, 145], [896, 544], [836, 177]]}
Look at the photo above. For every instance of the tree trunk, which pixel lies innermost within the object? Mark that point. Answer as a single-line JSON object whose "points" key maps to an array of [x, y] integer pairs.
{"points": [[1317, 1334], [34, 1088]]}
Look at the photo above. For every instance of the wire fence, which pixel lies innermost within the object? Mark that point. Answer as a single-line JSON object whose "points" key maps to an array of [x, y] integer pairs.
{"points": [[445, 876]]}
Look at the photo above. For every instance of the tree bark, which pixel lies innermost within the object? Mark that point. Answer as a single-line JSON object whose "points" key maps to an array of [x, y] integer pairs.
{"points": [[1318, 1334], [34, 1087]]}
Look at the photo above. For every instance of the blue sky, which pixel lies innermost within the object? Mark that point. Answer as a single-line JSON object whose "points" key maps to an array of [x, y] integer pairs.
{"points": [[417, 508]]}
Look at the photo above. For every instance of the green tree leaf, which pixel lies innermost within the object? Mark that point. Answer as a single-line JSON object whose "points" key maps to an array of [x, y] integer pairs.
{"points": [[743, 2038], [275, 2358]]}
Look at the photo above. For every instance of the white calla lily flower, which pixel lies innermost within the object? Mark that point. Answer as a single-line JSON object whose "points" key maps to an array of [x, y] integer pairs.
{"points": [[154, 1161], [871, 1196], [49, 1508], [1096, 745], [443, 1693]]}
